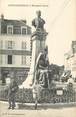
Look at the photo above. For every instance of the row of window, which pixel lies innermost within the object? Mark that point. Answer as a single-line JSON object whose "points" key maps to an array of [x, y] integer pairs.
{"points": [[17, 30], [10, 60], [11, 44]]}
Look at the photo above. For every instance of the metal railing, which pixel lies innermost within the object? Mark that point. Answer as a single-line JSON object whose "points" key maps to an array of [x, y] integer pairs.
{"points": [[53, 95]]}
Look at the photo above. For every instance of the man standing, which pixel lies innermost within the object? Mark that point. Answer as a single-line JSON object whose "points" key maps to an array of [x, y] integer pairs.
{"points": [[13, 88]]}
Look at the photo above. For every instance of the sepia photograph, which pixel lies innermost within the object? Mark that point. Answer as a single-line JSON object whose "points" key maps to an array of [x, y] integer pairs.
{"points": [[37, 58]]}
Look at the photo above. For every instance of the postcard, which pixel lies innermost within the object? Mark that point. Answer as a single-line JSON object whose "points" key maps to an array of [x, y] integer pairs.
{"points": [[37, 58]]}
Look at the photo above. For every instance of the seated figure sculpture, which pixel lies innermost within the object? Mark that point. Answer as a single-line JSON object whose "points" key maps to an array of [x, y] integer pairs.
{"points": [[41, 75], [41, 70]]}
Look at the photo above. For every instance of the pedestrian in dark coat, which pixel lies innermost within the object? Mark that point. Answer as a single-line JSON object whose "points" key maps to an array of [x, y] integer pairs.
{"points": [[13, 88]]}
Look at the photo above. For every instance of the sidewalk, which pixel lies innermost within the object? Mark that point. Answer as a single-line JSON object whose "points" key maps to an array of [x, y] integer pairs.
{"points": [[43, 110], [41, 105]]}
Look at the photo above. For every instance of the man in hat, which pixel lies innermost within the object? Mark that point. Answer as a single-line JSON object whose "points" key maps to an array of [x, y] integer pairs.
{"points": [[13, 88]]}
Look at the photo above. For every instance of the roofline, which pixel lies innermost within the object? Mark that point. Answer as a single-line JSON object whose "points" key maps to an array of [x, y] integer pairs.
{"points": [[17, 20]]}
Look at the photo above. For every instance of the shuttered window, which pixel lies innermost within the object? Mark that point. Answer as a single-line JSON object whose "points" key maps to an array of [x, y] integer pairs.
{"points": [[23, 45], [23, 60], [10, 29], [23, 30], [9, 44]]}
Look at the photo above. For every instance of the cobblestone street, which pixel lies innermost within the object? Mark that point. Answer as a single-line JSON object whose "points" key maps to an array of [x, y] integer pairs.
{"points": [[40, 112]]}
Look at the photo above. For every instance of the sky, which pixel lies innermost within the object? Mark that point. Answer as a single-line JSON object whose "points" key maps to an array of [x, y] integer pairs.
{"points": [[60, 17]]}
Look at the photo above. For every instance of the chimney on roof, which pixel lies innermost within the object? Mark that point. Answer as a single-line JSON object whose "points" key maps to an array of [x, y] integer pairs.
{"points": [[2, 17]]}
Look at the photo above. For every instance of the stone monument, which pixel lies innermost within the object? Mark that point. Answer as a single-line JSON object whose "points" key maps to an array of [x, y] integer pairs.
{"points": [[38, 45]]}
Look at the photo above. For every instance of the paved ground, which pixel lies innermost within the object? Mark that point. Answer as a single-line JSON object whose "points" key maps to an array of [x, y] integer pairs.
{"points": [[28, 111]]}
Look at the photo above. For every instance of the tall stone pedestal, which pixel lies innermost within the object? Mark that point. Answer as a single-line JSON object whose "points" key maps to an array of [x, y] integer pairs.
{"points": [[38, 45]]}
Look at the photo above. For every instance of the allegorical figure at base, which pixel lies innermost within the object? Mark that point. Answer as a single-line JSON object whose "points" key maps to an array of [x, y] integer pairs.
{"points": [[41, 75]]}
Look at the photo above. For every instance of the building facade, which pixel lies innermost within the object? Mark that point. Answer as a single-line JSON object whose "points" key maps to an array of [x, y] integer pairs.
{"points": [[70, 59], [15, 48]]}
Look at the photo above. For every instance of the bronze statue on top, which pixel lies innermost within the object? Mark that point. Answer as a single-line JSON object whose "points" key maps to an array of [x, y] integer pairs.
{"points": [[38, 22]]}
